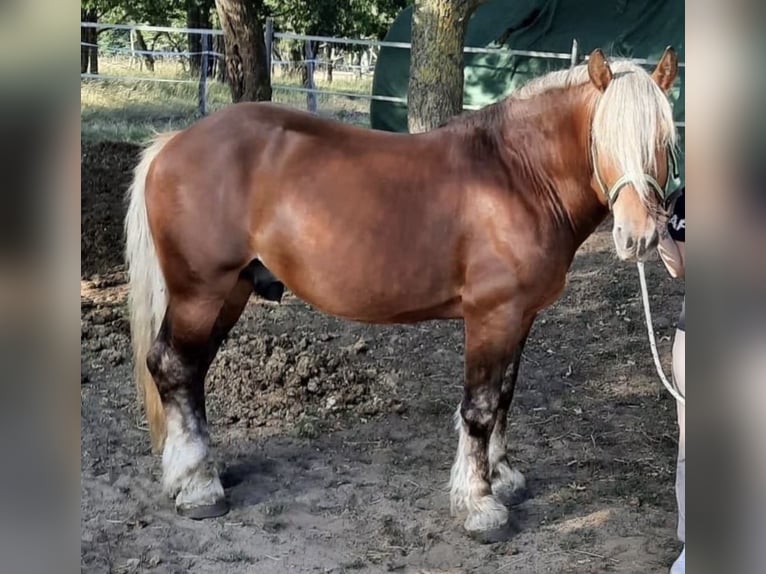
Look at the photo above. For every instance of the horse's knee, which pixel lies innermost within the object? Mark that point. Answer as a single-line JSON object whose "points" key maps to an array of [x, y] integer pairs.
{"points": [[479, 410]]}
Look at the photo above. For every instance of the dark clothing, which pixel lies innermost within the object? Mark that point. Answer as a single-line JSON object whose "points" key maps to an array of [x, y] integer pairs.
{"points": [[677, 221], [677, 230]]}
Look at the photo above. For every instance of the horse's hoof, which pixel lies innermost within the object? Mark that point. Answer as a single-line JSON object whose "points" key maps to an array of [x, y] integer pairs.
{"points": [[488, 521], [509, 495], [213, 510], [509, 485], [493, 536]]}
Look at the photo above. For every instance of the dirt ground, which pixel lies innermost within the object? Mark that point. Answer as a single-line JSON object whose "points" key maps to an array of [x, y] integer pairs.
{"points": [[335, 438]]}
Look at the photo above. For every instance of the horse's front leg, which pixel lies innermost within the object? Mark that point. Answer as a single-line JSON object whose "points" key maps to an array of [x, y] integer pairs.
{"points": [[507, 482], [491, 338]]}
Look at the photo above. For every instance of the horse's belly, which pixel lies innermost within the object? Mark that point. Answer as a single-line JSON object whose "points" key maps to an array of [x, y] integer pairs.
{"points": [[367, 293]]}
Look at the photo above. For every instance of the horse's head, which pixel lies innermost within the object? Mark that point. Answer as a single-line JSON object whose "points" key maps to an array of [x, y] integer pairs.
{"points": [[633, 148]]}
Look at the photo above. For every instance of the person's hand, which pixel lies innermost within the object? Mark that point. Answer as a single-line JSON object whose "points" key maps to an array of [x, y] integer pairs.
{"points": [[671, 253]]}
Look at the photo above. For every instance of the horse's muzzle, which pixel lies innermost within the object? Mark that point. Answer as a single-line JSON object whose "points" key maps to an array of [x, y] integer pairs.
{"points": [[632, 248]]}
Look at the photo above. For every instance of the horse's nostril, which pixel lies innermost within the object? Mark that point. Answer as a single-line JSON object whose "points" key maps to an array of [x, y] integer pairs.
{"points": [[629, 242]]}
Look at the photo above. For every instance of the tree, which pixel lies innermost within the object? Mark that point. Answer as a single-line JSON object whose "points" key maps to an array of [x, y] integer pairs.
{"points": [[345, 18], [339, 18], [156, 12], [435, 91], [348, 18], [246, 63], [89, 41], [147, 57], [198, 15], [92, 11]]}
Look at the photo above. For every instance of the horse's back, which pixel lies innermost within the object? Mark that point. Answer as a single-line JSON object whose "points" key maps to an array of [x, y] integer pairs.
{"points": [[259, 120]]}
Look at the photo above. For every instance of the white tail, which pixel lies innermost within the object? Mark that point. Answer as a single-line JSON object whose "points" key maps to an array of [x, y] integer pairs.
{"points": [[147, 297]]}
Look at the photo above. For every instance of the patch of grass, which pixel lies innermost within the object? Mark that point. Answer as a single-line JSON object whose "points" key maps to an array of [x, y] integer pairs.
{"points": [[123, 109]]}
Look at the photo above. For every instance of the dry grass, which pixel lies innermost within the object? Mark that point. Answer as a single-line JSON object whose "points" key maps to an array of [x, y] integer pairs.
{"points": [[123, 109]]}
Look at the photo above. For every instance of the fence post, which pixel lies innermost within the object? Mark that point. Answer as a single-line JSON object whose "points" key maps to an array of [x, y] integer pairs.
{"points": [[573, 61], [207, 47], [311, 97], [268, 40]]}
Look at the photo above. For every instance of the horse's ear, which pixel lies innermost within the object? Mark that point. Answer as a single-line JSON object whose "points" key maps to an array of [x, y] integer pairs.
{"points": [[598, 69], [667, 68]]}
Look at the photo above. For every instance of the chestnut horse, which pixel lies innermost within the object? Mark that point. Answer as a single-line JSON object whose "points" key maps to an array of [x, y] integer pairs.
{"points": [[477, 220]]}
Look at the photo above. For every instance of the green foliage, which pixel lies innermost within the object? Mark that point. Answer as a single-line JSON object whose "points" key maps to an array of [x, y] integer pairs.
{"points": [[154, 12], [349, 18]]}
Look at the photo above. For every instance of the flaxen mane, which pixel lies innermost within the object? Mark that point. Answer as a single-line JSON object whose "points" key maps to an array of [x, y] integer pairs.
{"points": [[632, 119]]}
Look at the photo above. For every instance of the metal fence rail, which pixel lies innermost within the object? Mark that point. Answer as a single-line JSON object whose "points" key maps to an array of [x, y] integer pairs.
{"points": [[312, 63], [348, 41]]}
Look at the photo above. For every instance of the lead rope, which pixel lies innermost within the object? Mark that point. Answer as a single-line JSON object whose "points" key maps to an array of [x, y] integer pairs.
{"points": [[652, 343]]}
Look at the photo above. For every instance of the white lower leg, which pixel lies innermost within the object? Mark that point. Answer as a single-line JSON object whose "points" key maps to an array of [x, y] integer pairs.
{"points": [[469, 490], [505, 480], [188, 473], [460, 475]]}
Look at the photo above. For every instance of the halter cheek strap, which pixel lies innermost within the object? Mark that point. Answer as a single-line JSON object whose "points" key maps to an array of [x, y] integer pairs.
{"points": [[613, 192], [664, 194]]}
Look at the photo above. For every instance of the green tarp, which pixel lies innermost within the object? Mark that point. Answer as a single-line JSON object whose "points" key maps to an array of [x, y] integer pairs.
{"points": [[622, 28]]}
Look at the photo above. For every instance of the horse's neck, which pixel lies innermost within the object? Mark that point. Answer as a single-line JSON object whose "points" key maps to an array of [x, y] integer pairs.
{"points": [[555, 143]]}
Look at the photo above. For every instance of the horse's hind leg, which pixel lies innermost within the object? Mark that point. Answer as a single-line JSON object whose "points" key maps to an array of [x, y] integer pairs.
{"points": [[179, 359], [507, 482]]}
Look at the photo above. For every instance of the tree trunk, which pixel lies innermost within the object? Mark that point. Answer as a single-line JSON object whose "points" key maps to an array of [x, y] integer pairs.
{"points": [[358, 63], [142, 47], [93, 50], [89, 53], [84, 52], [83, 39], [194, 41], [295, 66], [246, 62], [219, 61], [328, 56], [309, 53], [435, 91], [197, 16]]}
